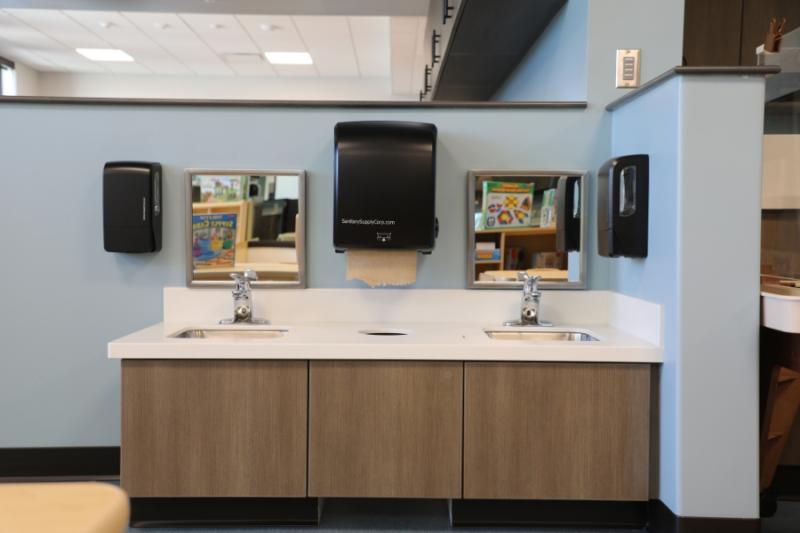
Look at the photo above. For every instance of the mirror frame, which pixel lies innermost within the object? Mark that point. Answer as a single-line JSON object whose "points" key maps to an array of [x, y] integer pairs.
{"points": [[300, 243], [472, 178]]}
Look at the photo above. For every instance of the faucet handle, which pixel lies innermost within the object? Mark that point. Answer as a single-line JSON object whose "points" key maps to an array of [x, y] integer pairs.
{"points": [[241, 282], [530, 283], [250, 274]]}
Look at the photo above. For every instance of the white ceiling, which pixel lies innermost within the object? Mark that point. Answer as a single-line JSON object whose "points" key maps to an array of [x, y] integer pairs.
{"points": [[163, 43]]}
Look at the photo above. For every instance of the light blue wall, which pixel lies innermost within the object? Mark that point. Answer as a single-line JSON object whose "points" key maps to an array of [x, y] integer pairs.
{"points": [[576, 55], [720, 248], [656, 278], [56, 387], [63, 280], [555, 66], [703, 135]]}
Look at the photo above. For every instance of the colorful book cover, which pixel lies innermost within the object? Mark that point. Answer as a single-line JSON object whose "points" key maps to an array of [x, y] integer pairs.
{"points": [[213, 240], [507, 204]]}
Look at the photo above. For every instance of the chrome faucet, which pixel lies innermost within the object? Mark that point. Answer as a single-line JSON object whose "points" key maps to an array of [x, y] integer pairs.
{"points": [[243, 300], [529, 312]]}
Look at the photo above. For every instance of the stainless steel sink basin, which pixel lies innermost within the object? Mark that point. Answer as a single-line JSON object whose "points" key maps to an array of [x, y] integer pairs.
{"points": [[229, 333], [539, 335]]}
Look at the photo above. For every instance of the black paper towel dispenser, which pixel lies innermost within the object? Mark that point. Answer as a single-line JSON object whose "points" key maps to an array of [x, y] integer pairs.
{"points": [[622, 206], [384, 185], [132, 207]]}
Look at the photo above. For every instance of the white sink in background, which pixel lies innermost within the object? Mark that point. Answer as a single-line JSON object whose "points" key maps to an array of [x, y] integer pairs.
{"points": [[230, 333], [780, 308], [539, 335]]}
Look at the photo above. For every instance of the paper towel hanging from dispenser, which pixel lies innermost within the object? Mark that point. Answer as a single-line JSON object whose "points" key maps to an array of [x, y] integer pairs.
{"points": [[384, 198], [622, 206]]}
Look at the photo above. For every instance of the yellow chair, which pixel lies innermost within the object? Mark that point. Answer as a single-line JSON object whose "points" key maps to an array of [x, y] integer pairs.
{"points": [[63, 508]]}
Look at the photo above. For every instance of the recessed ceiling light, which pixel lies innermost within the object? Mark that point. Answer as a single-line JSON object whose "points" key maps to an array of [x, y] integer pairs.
{"points": [[105, 24], [269, 27], [160, 25], [215, 26], [289, 58], [104, 54]]}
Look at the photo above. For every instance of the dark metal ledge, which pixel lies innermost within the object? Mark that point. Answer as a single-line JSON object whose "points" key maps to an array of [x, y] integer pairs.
{"points": [[333, 104], [691, 71]]}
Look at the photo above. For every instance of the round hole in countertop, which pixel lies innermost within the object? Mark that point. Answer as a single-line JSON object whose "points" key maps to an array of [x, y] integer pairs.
{"points": [[384, 332]]}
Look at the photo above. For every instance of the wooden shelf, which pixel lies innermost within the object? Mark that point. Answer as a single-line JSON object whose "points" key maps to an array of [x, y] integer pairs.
{"points": [[519, 231], [531, 239]]}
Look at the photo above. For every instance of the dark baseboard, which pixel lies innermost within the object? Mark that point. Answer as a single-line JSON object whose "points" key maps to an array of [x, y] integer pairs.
{"points": [[103, 463], [663, 520], [99, 462], [154, 512], [488, 513], [653, 515]]}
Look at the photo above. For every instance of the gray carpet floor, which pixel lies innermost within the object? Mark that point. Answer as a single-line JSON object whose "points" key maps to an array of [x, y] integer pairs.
{"points": [[786, 520], [349, 517]]}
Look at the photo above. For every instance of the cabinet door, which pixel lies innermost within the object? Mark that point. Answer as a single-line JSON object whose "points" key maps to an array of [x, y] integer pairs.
{"points": [[385, 429], [214, 428], [556, 431], [712, 32]]}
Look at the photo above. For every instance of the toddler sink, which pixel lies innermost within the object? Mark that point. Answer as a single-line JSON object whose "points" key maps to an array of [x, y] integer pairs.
{"points": [[538, 335], [229, 333]]}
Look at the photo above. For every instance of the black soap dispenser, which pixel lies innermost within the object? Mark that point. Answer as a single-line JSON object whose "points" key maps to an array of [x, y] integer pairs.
{"points": [[622, 206]]}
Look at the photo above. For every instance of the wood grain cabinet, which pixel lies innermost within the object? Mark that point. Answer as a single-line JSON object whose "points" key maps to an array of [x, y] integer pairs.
{"points": [[195, 428], [385, 429], [556, 431]]}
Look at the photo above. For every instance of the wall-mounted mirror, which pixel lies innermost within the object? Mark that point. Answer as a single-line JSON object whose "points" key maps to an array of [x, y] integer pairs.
{"points": [[240, 219], [321, 50], [526, 221]]}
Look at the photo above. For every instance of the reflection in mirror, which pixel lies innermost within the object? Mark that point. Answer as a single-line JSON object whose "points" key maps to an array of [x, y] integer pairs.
{"points": [[246, 220], [526, 221]]}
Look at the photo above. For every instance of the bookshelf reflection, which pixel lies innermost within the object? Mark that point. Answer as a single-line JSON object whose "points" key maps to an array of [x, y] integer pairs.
{"points": [[526, 221], [246, 220]]}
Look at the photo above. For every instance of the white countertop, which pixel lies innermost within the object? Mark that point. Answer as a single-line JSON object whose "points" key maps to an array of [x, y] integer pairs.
{"points": [[424, 341]]}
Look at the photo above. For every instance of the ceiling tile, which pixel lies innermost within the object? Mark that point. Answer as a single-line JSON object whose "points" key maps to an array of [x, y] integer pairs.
{"points": [[273, 33], [222, 33], [72, 61], [252, 64], [277, 33], [371, 43], [22, 36], [171, 33], [121, 33], [330, 44], [59, 27]]}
